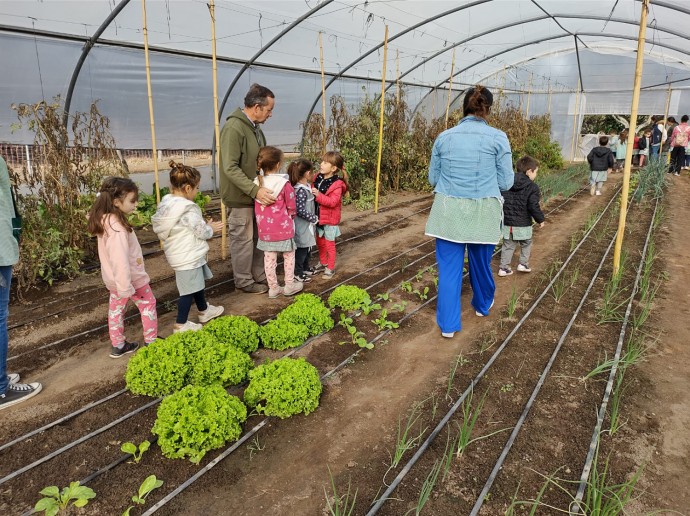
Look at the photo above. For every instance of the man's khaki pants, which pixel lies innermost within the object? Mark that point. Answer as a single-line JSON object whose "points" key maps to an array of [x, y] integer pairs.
{"points": [[247, 260]]}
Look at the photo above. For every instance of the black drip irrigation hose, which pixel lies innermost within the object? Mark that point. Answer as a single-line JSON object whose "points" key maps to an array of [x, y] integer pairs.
{"points": [[575, 506], [136, 314], [158, 400], [422, 448]]}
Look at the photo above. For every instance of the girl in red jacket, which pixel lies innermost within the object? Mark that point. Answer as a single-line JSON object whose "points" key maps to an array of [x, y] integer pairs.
{"points": [[328, 190], [275, 223]]}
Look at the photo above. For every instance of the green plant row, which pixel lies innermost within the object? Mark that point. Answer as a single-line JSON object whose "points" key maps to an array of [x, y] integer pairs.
{"points": [[306, 317], [147, 205]]}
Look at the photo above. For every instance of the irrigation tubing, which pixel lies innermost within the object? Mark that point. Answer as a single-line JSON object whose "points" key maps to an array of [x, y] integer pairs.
{"points": [[427, 442], [525, 412], [575, 506], [136, 314], [154, 402]]}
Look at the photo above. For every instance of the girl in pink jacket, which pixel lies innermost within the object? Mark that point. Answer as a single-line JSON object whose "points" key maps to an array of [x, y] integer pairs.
{"points": [[275, 223], [122, 263], [329, 189]]}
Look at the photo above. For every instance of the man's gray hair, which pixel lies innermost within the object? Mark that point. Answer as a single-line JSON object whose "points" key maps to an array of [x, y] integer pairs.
{"points": [[257, 96]]}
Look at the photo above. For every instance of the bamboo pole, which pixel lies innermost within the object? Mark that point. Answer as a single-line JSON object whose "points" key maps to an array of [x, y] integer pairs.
{"points": [[631, 137], [397, 76], [549, 104], [323, 94], [216, 123], [575, 124], [383, 100], [148, 86], [450, 87], [529, 95]]}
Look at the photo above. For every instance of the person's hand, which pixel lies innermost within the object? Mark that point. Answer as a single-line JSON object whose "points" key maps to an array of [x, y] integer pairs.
{"points": [[542, 224], [314, 190], [216, 226], [265, 197], [610, 170]]}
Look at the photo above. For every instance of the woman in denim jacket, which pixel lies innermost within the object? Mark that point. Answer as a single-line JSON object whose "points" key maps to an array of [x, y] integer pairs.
{"points": [[470, 164]]}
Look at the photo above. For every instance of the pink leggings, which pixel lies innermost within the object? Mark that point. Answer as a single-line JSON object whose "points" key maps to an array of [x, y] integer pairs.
{"points": [[326, 252], [271, 263], [145, 302]]}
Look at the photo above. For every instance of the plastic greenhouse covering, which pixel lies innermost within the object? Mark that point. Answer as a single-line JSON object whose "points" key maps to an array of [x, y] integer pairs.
{"points": [[569, 57]]}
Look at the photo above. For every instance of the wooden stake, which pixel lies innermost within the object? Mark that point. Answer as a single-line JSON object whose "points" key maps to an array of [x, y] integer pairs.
{"points": [[323, 95], [383, 100], [631, 137], [148, 86], [397, 76], [216, 119], [575, 124], [450, 87], [529, 94]]}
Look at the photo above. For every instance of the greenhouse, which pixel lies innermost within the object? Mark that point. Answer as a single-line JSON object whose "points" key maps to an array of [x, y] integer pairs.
{"points": [[341, 388]]}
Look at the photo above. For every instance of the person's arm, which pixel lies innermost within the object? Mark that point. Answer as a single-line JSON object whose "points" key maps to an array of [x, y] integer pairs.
{"points": [[333, 197], [290, 204], [301, 196], [435, 164], [117, 254], [193, 220], [504, 162], [590, 156], [231, 143], [533, 205]]}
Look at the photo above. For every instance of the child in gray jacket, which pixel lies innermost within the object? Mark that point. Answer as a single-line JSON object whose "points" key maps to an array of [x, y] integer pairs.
{"points": [[301, 174]]}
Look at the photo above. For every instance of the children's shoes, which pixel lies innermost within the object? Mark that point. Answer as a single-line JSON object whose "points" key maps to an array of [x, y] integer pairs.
{"points": [[188, 326], [505, 271], [211, 312], [275, 292], [293, 288]]}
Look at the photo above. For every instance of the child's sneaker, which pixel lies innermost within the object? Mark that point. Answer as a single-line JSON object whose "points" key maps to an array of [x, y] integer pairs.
{"points": [[318, 269], [18, 392], [505, 271], [129, 347], [523, 268], [328, 273], [592, 189], [293, 288], [188, 326], [599, 193], [211, 312], [275, 292], [302, 278]]}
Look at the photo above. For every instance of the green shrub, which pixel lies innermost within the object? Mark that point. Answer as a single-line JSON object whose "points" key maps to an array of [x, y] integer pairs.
{"points": [[165, 366], [235, 330], [284, 387], [196, 420], [308, 310], [283, 334], [349, 297], [147, 205], [217, 362]]}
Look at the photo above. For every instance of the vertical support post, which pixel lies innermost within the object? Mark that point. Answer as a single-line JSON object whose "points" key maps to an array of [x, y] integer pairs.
{"points": [[216, 124], [529, 95], [450, 87], [383, 104], [575, 120], [397, 76], [154, 151], [631, 137], [549, 102], [323, 96], [29, 167]]}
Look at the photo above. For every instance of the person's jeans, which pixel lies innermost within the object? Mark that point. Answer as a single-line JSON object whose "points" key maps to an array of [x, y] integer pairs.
{"points": [[5, 283], [247, 260], [654, 152]]}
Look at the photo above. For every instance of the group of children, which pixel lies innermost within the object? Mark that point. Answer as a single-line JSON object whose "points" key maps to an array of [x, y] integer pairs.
{"points": [[306, 212]]}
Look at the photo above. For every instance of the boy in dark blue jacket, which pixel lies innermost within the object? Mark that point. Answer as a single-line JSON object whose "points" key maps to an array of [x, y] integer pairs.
{"points": [[521, 205], [601, 163]]}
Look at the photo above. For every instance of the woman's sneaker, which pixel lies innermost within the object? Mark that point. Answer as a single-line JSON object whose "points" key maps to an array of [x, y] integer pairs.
{"points": [[505, 271], [188, 326], [479, 314], [523, 268], [211, 312], [129, 347], [18, 392], [293, 288]]}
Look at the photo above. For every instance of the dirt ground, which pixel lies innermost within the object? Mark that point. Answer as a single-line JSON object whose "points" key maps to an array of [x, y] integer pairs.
{"points": [[286, 470]]}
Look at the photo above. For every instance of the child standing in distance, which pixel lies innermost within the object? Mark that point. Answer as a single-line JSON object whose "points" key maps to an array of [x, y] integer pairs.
{"points": [[301, 172], [122, 263], [600, 164], [645, 143], [275, 223], [521, 205], [329, 189], [180, 225], [621, 149]]}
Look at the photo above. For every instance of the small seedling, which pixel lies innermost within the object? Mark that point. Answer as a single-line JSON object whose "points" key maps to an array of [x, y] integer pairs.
{"points": [[55, 500], [368, 308], [423, 295], [406, 286], [148, 485], [508, 387], [406, 441], [458, 362], [135, 451], [419, 275], [469, 420], [427, 488], [400, 307], [512, 302], [341, 505], [255, 447], [383, 323], [385, 296]]}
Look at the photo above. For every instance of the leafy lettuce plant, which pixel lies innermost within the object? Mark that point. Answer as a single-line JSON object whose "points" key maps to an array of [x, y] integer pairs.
{"points": [[217, 362], [308, 310], [349, 298], [198, 419], [282, 334], [55, 500], [284, 387], [235, 330]]}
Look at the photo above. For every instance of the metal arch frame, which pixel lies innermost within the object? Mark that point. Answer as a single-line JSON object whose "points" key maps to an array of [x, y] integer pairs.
{"points": [[84, 54]]}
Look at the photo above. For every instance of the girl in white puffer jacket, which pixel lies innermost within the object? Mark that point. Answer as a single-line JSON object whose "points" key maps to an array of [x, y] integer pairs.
{"points": [[180, 225]]}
